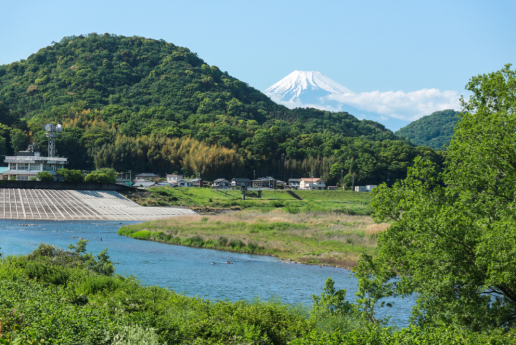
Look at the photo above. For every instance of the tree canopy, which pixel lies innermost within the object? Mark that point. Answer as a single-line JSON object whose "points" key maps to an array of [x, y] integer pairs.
{"points": [[435, 130], [453, 240]]}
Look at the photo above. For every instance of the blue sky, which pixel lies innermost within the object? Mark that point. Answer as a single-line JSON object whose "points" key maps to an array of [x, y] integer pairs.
{"points": [[364, 45]]}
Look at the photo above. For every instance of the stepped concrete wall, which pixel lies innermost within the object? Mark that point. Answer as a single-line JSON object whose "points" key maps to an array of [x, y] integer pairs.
{"points": [[51, 204], [64, 185]]}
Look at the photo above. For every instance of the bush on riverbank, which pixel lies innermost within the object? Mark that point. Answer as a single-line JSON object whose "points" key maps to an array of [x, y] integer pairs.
{"points": [[61, 296], [55, 296]]}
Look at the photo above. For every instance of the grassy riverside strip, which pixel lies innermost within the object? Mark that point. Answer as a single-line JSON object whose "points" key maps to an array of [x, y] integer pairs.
{"points": [[212, 201], [334, 239]]}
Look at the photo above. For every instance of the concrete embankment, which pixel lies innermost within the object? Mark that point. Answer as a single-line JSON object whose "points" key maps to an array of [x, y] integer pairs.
{"points": [[17, 203]]}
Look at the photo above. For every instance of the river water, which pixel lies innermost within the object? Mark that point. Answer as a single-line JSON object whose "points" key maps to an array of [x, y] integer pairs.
{"points": [[190, 270]]}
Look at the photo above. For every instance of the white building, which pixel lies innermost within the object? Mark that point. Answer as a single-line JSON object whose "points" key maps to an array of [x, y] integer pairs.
{"points": [[360, 189], [28, 164], [370, 187], [142, 182], [173, 179], [311, 184]]}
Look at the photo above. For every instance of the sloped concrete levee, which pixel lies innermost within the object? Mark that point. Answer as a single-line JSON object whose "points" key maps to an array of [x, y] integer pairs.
{"points": [[17, 203]]}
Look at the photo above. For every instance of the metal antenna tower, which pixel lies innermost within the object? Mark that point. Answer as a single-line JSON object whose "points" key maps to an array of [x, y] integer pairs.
{"points": [[52, 133]]}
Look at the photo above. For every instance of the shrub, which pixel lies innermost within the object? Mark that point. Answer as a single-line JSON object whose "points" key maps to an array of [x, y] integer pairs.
{"points": [[45, 176], [275, 203], [136, 335], [292, 209], [142, 235], [223, 241], [236, 244]]}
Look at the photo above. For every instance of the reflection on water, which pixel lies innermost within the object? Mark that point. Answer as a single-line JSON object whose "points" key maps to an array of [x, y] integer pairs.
{"points": [[189, 270]]}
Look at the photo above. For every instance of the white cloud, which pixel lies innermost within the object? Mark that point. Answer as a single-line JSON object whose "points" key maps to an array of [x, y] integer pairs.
{"points": [[401, 105]]}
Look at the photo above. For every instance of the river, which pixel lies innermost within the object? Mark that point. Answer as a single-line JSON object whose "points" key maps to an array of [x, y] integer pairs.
{"points": [[190, 270]]}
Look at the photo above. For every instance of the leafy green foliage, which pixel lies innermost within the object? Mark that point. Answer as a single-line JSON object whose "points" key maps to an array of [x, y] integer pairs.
{"points": [[128, 102], [435, 130], [452, 240], [103, 175], [71, 175], [91, 308], [45, 176], [18, 140]]}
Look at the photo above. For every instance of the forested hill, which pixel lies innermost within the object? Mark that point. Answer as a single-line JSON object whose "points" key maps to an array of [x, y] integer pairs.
{"points": [[148, 105], [433, 130]]}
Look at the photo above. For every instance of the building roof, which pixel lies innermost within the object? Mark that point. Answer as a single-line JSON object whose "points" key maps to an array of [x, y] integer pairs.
{"points": [[294, 179], [192, 180], [265, 179], [315, 179], [175, 175], [240, 179], [147, 175], [220, 180]]}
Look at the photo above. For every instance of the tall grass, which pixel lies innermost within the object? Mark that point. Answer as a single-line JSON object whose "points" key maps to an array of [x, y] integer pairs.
{"points": [[335, 239]]}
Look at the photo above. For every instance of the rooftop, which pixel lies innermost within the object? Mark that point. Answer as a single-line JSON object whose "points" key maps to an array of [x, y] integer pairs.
{"points": [[33, 159]]}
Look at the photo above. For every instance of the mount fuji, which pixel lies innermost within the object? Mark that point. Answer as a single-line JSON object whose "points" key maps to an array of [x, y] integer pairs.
{"points": [[309, 89]]}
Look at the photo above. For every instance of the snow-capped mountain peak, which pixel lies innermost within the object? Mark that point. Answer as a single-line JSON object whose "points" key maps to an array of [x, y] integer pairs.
{"points": [[298, 83]]}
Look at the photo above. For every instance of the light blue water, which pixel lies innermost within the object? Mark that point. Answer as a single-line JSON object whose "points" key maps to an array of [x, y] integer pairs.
{"points": [[190, 270]]}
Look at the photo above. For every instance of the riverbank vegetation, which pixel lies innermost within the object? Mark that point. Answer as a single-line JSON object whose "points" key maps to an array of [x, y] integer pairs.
{"points": [[210, 201], [55, 296], [334, 239]]}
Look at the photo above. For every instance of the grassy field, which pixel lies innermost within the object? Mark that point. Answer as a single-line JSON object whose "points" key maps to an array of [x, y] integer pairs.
{"points": [[211, 201], [309, 237]]}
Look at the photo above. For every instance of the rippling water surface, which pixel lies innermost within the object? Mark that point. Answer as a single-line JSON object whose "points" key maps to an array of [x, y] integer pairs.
{"points": [[190, 270]]}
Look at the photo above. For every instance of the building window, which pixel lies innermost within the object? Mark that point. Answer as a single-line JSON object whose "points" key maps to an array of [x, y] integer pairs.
{"points": [[23, 166], [35, 167], [22, 178]]}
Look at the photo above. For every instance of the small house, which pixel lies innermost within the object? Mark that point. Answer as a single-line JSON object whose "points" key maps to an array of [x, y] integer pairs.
{"points": [[281, 184], [360, 189], [193, 182], [293, 183], [148, 176], [241, 181], [221, 183], [173, 179], [312, 184], [264, 182]]}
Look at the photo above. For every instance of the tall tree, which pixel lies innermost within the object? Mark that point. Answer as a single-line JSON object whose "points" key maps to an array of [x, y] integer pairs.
{"points": [[453, 240]]}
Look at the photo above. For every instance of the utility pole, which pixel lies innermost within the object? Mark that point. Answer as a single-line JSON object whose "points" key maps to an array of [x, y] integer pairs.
{"points": [[254, 174], [130, 178], [353, 183], [341, 179]]}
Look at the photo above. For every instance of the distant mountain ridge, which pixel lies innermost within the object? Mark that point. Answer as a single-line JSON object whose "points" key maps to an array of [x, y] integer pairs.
{"points": [[433, 130], [134, 103]]}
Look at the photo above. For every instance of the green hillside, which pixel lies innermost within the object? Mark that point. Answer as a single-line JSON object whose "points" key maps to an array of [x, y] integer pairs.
{"points": [[149, 105], [433, 130]]}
